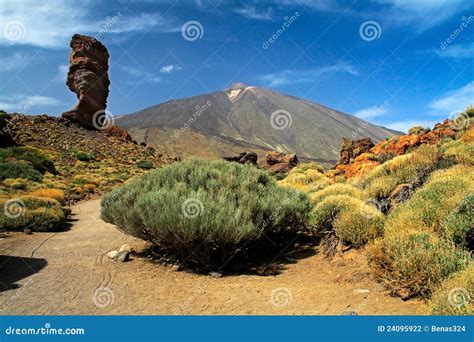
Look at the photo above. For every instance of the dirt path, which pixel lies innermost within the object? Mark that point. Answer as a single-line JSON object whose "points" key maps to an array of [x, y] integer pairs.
{"points": [[69, 273]]}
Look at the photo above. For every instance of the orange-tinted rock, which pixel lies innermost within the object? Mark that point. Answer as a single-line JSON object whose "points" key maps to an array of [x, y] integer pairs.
{"points": [[118, 132], [88, 78], [353, 148], [280, 162]]}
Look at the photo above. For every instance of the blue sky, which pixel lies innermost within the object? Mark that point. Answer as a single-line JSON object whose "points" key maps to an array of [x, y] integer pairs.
{"points": [[392, 62]]}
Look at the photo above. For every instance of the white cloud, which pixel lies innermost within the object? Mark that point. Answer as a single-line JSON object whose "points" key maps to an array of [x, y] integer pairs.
{"points": [[62, 72], [50, 24], [24, 103], [13, 62], [453, 102], [142, 74], [251, 12], [167, 69], [458, 51], [405, 125], [369, 113], [309, 75]]}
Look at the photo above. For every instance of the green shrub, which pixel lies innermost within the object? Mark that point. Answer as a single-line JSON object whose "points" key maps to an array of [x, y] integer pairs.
{"points": [[309, 180], [207, 211], [456, 295], [459, 224], [84, 156], [459, 151], [19, 169], [418, 130], [381, 187], [39, 214], [436, 206], [325, 212], [359, 226], [39, 161], [406, 168], [335, 189], [145, 164], [413, 263]]}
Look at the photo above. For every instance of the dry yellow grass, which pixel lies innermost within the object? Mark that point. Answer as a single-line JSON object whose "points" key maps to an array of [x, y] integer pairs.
{"points": [[55, 194]]}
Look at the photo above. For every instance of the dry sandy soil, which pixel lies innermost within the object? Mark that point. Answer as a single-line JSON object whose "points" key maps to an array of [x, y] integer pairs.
{"points": [[69, 273]]}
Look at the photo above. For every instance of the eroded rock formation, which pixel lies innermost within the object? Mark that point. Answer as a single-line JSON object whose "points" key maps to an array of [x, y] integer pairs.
{"points": [[88, 78], [353, 148], [280, 162]]}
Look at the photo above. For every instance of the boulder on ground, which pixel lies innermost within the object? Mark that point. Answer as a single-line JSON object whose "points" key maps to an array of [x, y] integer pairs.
{"points": [[278, 162], [353, 148]]}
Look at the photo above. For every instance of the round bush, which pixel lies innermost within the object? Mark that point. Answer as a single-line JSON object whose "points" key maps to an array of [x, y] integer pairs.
{"points": [[325, 212], [414, 263], [455, 296], [335, 189], [35, 213], [205, 211], [357, 227], [19, 169]]}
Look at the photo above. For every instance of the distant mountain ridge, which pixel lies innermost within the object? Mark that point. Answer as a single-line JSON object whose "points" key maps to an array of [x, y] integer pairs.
{"points": [[246, 117]]}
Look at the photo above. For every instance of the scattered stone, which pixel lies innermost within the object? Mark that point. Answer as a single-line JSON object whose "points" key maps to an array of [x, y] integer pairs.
{"points": [[215, 274], [269, 270], [112, 254], [125, 248], [176, 268], [350, 313], [27, 231], [123, 256], [361, 291], [88, 78]]}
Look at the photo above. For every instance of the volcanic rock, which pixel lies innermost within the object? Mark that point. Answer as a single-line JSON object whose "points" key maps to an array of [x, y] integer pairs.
{"points": [[88, 78], [278, 162], [353, 148], [244, 158]]}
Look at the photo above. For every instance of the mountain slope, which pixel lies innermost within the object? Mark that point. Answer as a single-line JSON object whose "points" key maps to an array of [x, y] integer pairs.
{"points": [[241, 117]]}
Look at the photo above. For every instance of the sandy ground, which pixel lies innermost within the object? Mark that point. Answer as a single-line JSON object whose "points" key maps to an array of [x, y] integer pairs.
{"points": [[69, 273]]}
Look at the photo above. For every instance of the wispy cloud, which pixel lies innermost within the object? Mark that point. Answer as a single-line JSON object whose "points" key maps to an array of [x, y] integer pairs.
{"points": [[458, 51], [308, 75], [251, 12], [141, 74], [24, 103], [167, 69], [13, 62], [62, 72], [372, 112], [50, 24], [405, 125], [453, 102]]}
